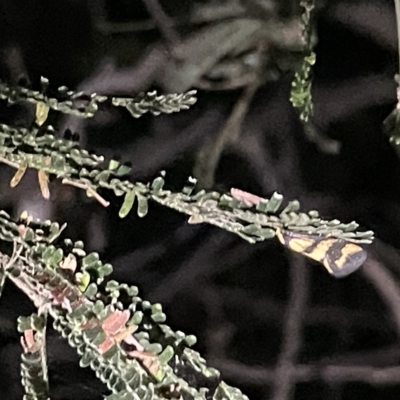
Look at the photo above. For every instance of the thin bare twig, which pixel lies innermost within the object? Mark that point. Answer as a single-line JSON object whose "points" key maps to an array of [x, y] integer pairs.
{"points": [[209, 155], [241, 373], [386, 285], [267, 308], [10, 163], [89, 190], [164, 23], [292, 330]]}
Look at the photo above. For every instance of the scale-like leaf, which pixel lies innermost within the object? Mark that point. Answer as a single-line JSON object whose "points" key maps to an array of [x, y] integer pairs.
{"points": [[127, 204], [143, 206], [18, 176], [44, 183], [42, 111]]}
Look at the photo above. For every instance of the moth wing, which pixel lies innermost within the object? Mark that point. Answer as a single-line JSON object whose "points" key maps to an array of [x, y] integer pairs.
{"points": [[338, 256], [351, 257]]}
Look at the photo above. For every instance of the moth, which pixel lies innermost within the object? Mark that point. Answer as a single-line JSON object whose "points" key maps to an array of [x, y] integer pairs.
{"points": [[338, 256]]}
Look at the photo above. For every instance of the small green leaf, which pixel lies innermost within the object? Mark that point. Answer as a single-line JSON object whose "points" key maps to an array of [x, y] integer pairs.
{"points": [[102, 176], [48, 253], [267, 233], [90, 260], [132, 291], [166, 355], [264, 205], [29, 234], [111, 285], [274, 203], [79, 312], [24, 323], [105, 270], [83, 280], [91, 290], [98, 307], [127, 204], [56, 257], [252, 229], [113, 165], [311, 58], [191, 340], [137, 318], [154, 348], [157, 184], [143, 206], [86, 359], [122, 170], [159, 317], [293, 206]]}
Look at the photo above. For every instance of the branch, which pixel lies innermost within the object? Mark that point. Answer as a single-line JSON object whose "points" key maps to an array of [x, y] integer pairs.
{"points": [[34, 363], [386, 285], [253, 221], [130, 348], [85, 106], [305, 373], [292, 330]]}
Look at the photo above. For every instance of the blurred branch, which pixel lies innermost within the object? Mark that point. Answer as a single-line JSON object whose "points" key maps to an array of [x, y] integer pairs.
{"points": [[197, 54], [386, 285], [164, 23], [208, 156], [241, 373], [268, 309], [292, 330], [200, 13]]}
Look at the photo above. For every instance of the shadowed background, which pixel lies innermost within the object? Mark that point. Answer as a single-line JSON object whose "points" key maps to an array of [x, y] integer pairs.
{"points": [[276, 325]]}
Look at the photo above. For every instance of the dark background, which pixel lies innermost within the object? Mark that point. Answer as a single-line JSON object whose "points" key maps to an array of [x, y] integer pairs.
{"points": [[277, 326]]}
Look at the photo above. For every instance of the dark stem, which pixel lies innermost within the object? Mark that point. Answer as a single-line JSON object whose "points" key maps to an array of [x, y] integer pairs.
{"points": [[292, 335]]}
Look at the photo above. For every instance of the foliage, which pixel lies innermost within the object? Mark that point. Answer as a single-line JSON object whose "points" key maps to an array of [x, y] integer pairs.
{"points": [[301, 86], [122, 337]]}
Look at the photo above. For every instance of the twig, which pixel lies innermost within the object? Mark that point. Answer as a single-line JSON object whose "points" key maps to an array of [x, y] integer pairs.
{"points": [[239, 373], [164, 23], [261, 308], [89, 190], [190, 138], [10, 163], [386, 285], [210, 154], [299, 282], [107, 78]]}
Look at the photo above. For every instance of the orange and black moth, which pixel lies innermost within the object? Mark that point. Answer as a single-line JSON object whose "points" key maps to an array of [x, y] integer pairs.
{"points": [[339, 256]]}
